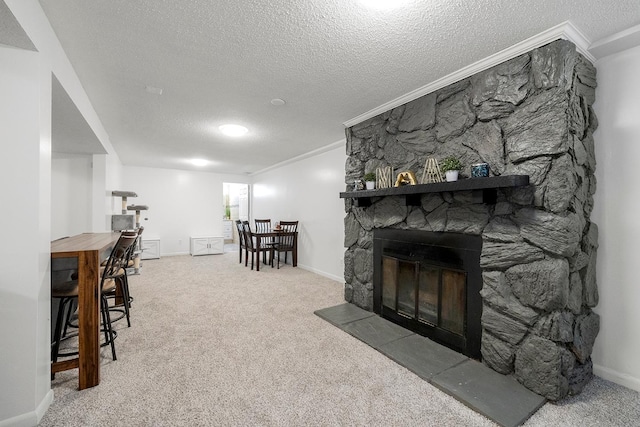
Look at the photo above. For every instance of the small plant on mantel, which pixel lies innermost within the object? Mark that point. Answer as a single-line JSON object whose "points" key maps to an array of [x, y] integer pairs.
{"points": [[371, 176], [370, 180], [451, 166]]}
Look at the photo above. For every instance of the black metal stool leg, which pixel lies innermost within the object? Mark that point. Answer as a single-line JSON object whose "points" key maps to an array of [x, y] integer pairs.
{"points": [[67, 321], [57, 334], [108, 330], [124, 282]]}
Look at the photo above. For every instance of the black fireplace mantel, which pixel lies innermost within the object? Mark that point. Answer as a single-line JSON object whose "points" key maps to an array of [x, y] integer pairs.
{"points": [[484, 187]]}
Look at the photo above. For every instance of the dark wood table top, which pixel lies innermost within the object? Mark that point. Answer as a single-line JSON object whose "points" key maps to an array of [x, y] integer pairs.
{"points": [[70, 246], [273, 233]]}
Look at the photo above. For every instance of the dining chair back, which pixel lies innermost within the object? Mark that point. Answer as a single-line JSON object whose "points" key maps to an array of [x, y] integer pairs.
{"points": [[286, 242], [251, 246], [242, 246], [263, 225]]}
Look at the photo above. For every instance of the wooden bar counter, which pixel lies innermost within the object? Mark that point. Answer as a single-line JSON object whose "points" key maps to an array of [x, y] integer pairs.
{"points": [[89, 249]]}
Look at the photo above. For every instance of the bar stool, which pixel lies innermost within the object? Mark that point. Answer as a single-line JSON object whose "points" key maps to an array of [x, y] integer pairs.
{"points": [[121, 295]]}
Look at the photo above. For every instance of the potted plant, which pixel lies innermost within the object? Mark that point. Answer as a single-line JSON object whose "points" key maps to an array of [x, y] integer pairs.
{"points": [[370, 180], [451, 166]]}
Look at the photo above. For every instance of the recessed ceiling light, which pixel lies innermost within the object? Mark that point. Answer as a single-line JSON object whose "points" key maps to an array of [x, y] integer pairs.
{"points": [[154, 90], [277, 101], [199, 162], [383, 4], [233, 130]]}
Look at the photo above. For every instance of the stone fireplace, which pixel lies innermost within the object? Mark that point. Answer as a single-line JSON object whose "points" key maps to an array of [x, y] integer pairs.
{"points": [[529, 116]]}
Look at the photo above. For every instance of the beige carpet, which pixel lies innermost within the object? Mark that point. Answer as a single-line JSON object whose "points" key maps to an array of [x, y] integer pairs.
{"points": [[214, 343]]}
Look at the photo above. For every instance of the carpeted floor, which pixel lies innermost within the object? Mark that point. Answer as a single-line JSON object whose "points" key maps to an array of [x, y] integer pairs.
{"points": [[214, 343]]}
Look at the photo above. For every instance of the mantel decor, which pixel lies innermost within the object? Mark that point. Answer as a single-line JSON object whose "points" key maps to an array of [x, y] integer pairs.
{"points": [[431, 171], [384, 177], [486, 189], [406, 178]]}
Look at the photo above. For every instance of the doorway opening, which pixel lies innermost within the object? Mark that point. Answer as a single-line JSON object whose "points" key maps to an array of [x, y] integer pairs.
{"points": [[235, 201]]}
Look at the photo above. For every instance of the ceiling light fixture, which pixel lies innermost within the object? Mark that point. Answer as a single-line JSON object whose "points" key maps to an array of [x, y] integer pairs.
{"points": [[233, 130], [277, 101], [383, 4], [199, 162], [154, 90]]}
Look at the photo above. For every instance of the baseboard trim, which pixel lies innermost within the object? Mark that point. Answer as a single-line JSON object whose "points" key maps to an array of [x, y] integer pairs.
{"points": [[322, 273], [44, 405], [32, 418], [617, 377], [174, 254]]}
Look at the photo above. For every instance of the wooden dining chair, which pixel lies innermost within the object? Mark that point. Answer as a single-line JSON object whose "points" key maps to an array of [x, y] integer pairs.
{"points": [[264, 226], [286, 242], [251, 246], [242, 246]]}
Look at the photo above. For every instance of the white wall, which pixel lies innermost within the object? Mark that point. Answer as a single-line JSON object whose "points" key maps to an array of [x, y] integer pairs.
{"points": [[25, 171], [25, 292], [81, 188], [181, 204], [113, 171], [71, 195], [616, 354], [308, 191]]}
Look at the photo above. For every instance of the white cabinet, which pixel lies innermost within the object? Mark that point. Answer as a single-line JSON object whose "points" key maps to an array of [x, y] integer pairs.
{"points": [[207, 245], [150, 249], [227, 229]]}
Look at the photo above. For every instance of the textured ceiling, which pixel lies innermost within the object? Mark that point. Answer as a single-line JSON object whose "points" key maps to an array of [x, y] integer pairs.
{"points": [[11, 33], [70, 132], [223, 61]]}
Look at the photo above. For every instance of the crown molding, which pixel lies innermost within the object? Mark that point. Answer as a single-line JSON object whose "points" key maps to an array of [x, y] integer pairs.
{"points": [[573, 34], [565, 31], [615, 43], [340, 143]]}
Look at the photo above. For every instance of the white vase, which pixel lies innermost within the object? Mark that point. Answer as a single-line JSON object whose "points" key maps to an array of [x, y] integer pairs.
{"points": [[371, 185], [451, 176]]}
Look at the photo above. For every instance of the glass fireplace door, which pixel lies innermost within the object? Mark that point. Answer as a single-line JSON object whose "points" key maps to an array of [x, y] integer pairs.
{"points": [[431, 295]]}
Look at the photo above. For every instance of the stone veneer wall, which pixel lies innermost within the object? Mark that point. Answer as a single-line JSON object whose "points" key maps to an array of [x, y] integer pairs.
{"points": [[531, 115]]}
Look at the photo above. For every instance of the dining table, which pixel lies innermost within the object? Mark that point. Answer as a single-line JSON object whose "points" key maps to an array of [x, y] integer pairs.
{"points": [[85, 252], [275, 234]]}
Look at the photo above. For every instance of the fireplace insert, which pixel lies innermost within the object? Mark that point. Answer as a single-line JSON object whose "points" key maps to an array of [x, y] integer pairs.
{"points": [[430, 283]]}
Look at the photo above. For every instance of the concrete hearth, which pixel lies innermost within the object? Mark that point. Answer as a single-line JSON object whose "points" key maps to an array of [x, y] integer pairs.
{"points": [[498, 397], [530, 116]]}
